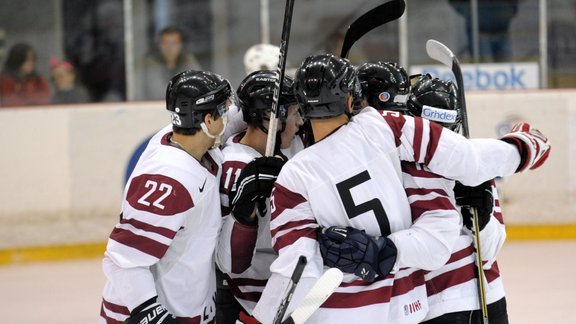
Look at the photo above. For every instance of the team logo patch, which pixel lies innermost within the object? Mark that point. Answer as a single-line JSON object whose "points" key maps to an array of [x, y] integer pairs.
{"points": [[384, 96]]}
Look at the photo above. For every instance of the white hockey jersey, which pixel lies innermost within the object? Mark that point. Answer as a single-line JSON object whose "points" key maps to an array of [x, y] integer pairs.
{"points": [[165, 241], [353, 178], [454, 287], [244, 253]]}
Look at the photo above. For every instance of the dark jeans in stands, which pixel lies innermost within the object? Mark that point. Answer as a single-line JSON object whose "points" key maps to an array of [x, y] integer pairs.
{"points": [[497, 314], [227, 307]]}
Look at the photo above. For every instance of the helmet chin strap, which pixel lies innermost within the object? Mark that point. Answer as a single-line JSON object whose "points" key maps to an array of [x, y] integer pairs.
{"points": [[218, 136]]}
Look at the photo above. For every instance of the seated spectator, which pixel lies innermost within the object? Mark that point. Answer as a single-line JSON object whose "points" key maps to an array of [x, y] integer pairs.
{"points": [[20, 84], [168, 59], [66, 89]]}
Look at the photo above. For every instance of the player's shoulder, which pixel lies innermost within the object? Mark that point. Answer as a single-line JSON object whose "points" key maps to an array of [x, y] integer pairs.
{"points": [[239, 152], [158, 194]]}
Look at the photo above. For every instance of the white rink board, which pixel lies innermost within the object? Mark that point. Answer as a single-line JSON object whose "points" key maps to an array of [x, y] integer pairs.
{"points": [[62, 167]]}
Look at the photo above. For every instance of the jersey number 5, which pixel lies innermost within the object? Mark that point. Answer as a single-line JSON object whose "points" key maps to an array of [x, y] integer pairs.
{"points": [[353, 210]]}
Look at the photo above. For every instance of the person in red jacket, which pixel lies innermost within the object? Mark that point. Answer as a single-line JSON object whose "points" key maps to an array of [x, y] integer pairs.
{"points": [[20, 83]]}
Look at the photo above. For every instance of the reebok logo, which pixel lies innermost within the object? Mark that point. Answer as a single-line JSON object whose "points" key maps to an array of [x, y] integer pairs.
{"points": [[202, 188], [439, 114]]}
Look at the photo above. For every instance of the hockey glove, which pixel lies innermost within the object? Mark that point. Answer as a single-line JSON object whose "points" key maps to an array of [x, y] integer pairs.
{"points": [[151, 312], [479, 197], [353, 251], [253, 186], [533, 146]]}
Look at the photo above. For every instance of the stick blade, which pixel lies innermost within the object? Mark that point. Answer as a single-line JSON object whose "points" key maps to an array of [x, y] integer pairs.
{"points": [[439, 52], [376, 17], [321, 290]]}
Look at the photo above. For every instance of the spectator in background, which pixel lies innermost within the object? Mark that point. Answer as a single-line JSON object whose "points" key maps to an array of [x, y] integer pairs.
{"points": [[494, 18], [168, 60], [66, 89], [20, 83]]}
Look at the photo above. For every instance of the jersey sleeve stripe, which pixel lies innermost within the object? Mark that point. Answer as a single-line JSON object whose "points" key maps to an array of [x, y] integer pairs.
{"points": [[141, 243], [435, 133], [115, 307], [450, 279], [292, 236], [420, 207], [284, 199], [418, 132], [291, 225], [107, 318], [396, 123], [425, 191], [459, 255], [493, 273], [167, 233], [375, 296]]}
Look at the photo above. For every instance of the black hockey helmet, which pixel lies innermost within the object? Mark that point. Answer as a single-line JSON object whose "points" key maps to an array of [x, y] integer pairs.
{"points": [[385, 85], [436, 100], [322, 85], [191, 94], [255, 95]]}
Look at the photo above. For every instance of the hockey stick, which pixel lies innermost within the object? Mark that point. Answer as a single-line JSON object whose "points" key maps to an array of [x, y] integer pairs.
{"points": [[291, 287], [444, 55], [273, 124], [321, 290], [377, 16]]}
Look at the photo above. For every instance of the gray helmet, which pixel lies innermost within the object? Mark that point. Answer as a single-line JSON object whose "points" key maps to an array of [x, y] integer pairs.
{"points": [[322, 85], [191, 94], [436, 100], [385, 85]]}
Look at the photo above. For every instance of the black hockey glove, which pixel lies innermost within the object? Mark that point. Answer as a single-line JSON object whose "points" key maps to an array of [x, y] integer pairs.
{"points": [[353, 251], [253, 186], [479, 197], [151, 312]]}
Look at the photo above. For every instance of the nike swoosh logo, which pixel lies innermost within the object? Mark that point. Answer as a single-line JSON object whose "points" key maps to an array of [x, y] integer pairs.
{"points": [[202, 188]]}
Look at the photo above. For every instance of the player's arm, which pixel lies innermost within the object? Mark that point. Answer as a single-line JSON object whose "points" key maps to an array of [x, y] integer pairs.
{"points": [[483, 198], [247, 188], [428, 243], [470, 161]]}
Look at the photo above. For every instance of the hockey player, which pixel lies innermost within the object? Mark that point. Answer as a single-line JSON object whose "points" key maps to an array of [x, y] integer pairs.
{"points": [[245, 249], [159, 261], [452, 289], [453, 296], [351, 177]]}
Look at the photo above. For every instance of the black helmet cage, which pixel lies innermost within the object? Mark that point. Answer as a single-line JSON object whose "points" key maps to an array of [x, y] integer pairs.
{"points": [[323, 83], [386, 85], [256, 94], [438, 94], [191, 94]]}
